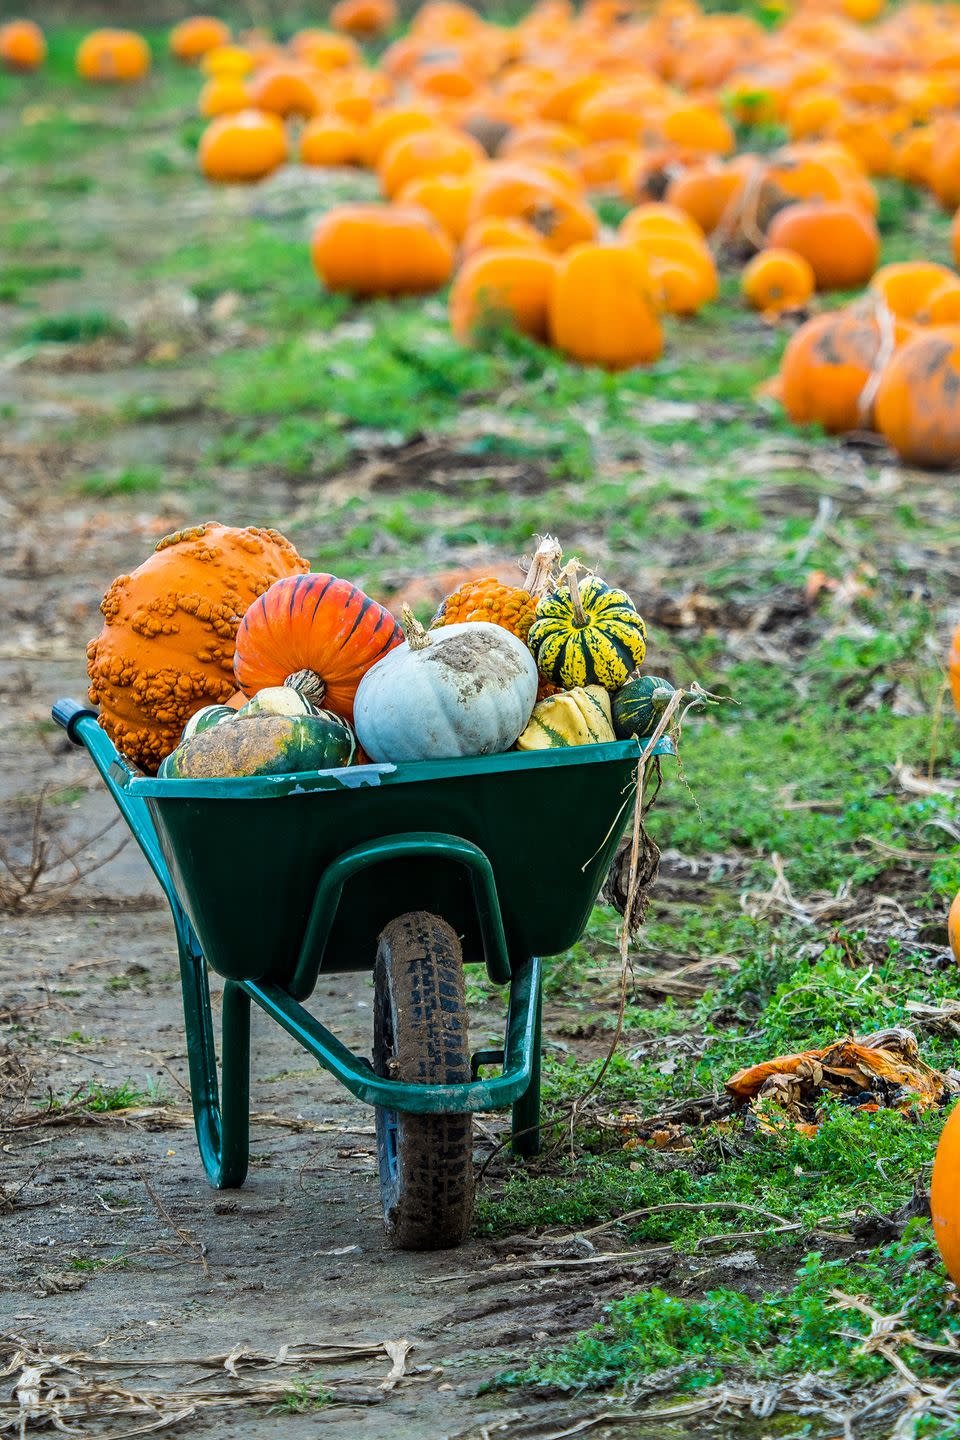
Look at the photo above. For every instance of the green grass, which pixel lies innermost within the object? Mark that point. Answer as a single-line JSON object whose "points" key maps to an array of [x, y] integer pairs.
{"points": [[73, 327], [304, 1397], [794, 1333], [133, 480]]}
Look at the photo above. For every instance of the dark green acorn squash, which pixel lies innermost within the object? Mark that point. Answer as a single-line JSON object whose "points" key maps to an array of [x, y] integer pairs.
{"points": [[637, 706], [263, 745]]}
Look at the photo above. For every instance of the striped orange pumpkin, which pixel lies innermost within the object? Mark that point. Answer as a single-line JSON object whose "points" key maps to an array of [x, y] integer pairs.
{"points": [[317, 633]]}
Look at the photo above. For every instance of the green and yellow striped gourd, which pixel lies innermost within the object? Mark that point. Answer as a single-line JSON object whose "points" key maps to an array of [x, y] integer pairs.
{"points": [[574, 717], [637, 706], [587, 634]]}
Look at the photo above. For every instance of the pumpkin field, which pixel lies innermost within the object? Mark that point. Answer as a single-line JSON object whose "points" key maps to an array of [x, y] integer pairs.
{"points": [[556, 317]]}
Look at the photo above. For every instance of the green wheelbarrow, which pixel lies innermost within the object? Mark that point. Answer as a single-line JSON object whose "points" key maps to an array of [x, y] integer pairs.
{"points": [[410, 870]]}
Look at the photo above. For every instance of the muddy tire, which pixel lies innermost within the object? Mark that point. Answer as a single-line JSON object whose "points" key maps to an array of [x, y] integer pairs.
{"points": [[420, 1037]]}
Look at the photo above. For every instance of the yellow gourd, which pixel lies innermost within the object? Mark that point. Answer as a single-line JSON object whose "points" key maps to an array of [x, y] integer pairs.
{"points": [[574, 717]]}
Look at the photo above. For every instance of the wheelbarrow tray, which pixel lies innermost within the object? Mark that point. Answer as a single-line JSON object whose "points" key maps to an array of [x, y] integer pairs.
{"points": [[247, 873]]}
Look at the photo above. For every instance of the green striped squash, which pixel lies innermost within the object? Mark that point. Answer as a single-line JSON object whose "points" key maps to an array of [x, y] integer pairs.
{"points": [[263, 745], [277, 700], [601, 649], [204, 719], [637, 706], [575, 717]]}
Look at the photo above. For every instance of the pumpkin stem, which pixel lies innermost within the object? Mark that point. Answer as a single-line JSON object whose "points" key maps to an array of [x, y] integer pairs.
{"points": [[308, 684], [570, 574], [413, 632], [547, 554]]}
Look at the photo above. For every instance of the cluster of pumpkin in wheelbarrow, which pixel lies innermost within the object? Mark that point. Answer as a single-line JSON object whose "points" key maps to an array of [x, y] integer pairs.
{"points": [[326, 677]]}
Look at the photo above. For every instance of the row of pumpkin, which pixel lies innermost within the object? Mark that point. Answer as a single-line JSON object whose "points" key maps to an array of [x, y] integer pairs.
{"points": [[223, 627]]}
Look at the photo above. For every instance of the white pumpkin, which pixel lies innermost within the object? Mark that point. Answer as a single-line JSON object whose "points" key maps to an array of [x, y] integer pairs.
{"points": [[465, 689]]}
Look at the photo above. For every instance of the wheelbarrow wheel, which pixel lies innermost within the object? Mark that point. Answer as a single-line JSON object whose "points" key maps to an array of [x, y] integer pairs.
{"points": [[420, 1037]]}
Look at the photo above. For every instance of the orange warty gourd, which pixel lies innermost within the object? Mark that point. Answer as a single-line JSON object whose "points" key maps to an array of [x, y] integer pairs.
{"points": [[113, 57], [825, 369], [223, 95], [840, 241], [166, 647], [22, 45], [498, 233], [381, 250], [437, 151], [514, 607], [327, 140], [194, 38], [246, 146], [918, 399], [945, 1195], [908, 288], [953, 919], [513, 285], [777, 280], [601, 308], [363, 18]]}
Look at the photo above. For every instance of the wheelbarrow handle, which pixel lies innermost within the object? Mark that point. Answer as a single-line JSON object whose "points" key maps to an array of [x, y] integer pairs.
{"points": [[68, 713]]}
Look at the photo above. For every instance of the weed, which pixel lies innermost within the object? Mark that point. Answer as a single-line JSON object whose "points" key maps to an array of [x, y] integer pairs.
{"points": [[303, 1397], [134, 480], [73, 327]]}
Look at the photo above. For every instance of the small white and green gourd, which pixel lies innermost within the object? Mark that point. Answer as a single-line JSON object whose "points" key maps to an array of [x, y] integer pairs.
{"points": [[463, 689]]}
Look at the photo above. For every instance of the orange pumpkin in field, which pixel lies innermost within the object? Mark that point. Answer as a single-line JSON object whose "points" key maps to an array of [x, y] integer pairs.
{"points": [[909, 287], [705, 192], [243, 147], [601, 309], [918, 399], [955, 238], [232, 62], [113, 57], [381, 250], [514, 285], [325, 51], [825, 370], [953, 919], [22, 45], [437, 151], [389, 125], [497, 233], [224, 95], [286, 89], [329, 141], [840, 241], [943, 307], [446, 197], [519, 193], [192, 39], [777, 280], [945, 1195], [363, 18]]}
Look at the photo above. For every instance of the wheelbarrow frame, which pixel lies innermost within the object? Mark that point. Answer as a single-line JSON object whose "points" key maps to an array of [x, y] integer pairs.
{"points": [[221, 1106]]}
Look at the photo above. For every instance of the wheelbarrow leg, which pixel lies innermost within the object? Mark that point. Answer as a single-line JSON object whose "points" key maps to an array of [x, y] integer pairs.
{"points": [[525, 1140], [223, 1129]]}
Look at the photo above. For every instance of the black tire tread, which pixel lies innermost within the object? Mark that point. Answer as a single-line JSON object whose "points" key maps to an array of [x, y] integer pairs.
{"points": [[419, 976]]}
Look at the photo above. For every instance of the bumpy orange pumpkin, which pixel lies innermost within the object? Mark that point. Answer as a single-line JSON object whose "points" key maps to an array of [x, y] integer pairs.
{"points": [[918, 399], [825, 370], [512, 284], [601, 308], [514, 607], [194, 38], [246, 146], [945, 1195], [22, 45], [777, 280], [840, 241], [381, 250], [363, 18], [166, 648], [113, 57]]}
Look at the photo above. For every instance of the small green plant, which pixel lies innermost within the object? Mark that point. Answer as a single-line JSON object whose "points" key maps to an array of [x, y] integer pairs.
{"points": [[303, 1397], [133, 480], [74, 327]]}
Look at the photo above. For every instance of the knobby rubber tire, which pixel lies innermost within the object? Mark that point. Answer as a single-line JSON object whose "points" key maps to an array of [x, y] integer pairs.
{"points": [[420, 1037]]}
